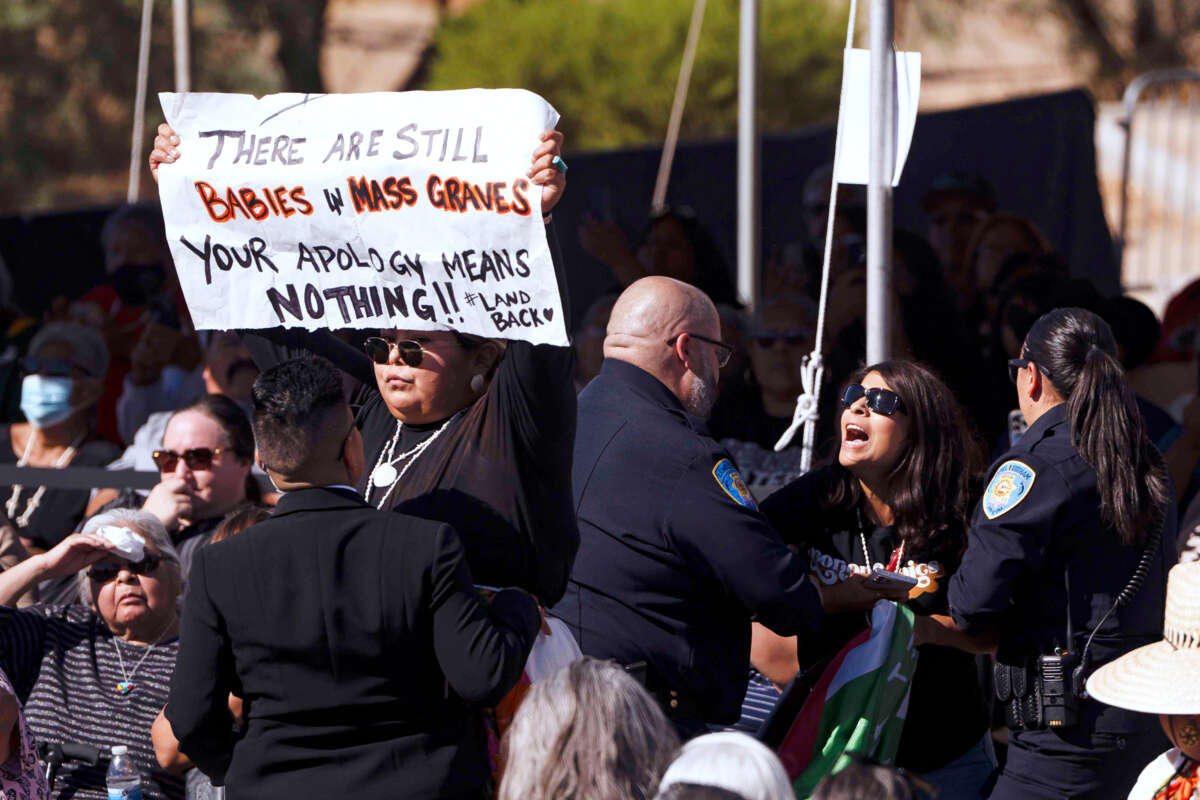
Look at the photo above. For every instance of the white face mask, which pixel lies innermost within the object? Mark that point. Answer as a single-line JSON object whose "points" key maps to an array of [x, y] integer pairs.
{"points": [[46, 399]]}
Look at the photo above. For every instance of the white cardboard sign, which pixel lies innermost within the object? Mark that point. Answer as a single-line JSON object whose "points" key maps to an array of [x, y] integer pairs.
{"points": [[406, 210]]}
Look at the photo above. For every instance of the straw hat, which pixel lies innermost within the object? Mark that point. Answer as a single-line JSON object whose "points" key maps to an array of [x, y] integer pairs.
{"points": [[1164, 677]]}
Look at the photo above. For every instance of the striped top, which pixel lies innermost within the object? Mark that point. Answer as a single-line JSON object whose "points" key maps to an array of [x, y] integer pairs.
{"points": [[761, 699], [63, 665]]}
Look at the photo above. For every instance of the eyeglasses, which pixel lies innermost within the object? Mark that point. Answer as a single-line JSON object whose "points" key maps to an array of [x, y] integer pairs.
{"points": [[793, 337], [880, 401], [1015, 364], [197, 458], [724, 351], [380, 351], [51, 367], [105, 572]]}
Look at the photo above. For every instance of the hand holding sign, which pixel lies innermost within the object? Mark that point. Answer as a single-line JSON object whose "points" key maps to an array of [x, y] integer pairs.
{"points": [[411, 210]]}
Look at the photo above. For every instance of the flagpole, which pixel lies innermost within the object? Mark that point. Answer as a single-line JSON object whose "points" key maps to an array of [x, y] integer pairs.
{"points": [[879, 187], [748, 160]]}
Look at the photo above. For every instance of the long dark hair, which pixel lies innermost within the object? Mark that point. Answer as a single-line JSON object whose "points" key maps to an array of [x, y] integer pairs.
{"points": [[930, 482], [1077, 350]]}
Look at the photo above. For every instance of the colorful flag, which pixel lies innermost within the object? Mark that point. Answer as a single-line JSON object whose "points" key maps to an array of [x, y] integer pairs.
{"points": [[858, 705]]}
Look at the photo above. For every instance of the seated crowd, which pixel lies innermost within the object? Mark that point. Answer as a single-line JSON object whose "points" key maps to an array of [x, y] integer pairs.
{"points": [[357, 572]]}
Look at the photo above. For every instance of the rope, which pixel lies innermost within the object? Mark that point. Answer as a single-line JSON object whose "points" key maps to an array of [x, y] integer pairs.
{"points": [[139, 104], [812, 369], [681, 90]]}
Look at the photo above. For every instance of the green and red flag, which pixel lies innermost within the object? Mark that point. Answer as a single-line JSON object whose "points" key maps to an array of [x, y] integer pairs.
{"points": [[858, 705]]}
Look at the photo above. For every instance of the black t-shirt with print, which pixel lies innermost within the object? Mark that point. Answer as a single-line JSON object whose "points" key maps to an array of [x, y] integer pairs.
{"points": [[946, 713]]}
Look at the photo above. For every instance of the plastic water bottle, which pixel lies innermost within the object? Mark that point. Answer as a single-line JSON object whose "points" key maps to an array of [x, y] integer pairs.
{"points": [[124, 781]]}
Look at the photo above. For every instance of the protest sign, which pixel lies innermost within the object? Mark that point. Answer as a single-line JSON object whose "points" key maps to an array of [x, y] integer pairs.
{"points": [[406, 210]]}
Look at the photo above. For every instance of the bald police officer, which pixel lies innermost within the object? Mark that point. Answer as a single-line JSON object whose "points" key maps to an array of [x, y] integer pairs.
{"points": [[674, 560]]}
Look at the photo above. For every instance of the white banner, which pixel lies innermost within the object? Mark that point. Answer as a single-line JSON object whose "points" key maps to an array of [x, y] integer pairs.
{"points": [[407, 210]]}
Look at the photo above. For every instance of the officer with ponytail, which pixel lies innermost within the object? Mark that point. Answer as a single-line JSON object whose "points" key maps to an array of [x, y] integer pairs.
{"points": [[1066, 564]]}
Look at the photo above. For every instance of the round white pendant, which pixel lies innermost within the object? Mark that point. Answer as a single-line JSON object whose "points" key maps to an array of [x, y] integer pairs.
{"points": [[384, 475]]}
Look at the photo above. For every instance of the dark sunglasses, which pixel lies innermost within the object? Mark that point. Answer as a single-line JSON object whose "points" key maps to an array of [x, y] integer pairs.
{"points": [[880, 401], [1015, 364], [51, 367], [198, 458], [379, 350], [724, 351], [793, 337], [105, 572]]}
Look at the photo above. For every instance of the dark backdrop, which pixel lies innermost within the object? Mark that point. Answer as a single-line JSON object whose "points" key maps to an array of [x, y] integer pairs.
{"points": [[1038, 152]]}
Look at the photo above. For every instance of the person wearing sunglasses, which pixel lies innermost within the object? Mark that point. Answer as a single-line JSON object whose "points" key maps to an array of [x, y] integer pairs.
{"points": [[63, 379], [363, 650], [204, 463], [675, 558], [759, 409], [473, 432], [895, 499], [1072, 513], [97, 671]]}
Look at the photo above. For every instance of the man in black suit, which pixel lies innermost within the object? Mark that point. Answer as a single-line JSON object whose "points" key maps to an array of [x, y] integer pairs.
{"points": [[355, 636]]}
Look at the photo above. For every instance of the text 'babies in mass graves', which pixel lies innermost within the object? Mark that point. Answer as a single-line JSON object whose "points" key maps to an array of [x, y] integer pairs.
{"points": [[336, 219]]}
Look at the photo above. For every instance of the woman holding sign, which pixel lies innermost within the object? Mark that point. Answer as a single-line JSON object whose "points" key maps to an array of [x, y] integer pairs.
{"points": [[894, 506], [474, 432]]}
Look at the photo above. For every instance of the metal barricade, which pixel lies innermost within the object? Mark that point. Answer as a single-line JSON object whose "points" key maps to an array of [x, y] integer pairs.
{"points": [[1159, 221]]}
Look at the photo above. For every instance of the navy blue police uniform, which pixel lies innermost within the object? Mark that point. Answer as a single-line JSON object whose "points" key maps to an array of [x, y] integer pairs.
{"points": [[674, 559], [1037, 552]]}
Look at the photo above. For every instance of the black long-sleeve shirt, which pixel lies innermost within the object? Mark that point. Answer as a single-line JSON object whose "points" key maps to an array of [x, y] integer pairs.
{"points": [[500, 471]]}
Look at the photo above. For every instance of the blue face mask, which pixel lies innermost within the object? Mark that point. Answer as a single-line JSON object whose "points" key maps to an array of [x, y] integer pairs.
{"points": [[46, 399]]}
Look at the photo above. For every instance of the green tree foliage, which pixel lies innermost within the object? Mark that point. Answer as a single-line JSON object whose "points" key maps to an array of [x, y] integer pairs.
{"points": [[610, 66], [68, 72]]}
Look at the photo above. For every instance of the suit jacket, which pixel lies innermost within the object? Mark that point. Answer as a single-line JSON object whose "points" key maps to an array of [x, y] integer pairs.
{"points": [[359, 645]]}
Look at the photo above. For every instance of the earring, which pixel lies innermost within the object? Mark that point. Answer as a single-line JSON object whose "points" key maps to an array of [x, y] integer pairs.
{"points": [[477, 384], [1189, 734]]}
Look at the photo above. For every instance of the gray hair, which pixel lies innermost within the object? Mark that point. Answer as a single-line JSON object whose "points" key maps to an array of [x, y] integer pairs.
{"points": [[142, 522], [587, 732], [88, 349], [732, 761]]}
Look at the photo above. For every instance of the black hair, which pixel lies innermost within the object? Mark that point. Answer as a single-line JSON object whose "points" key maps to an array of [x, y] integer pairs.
{"points": [[1031, 295], [232, 420], [1076, 350], [292, 403], [1023, 263], [1135, 328], [930, 482], [698, 791], [712, 273]]}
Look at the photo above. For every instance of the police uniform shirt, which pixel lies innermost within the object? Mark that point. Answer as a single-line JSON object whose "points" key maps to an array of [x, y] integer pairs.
{"points": [[946, 714], [1037, 529], [674, 557]]}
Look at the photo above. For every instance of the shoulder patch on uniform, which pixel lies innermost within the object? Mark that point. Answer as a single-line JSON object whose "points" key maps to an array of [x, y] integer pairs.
{"points": [[732, 484], [1009, 485]]}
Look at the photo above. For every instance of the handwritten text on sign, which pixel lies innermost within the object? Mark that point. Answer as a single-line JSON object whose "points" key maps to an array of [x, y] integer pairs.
{"points": [[403, 210]]}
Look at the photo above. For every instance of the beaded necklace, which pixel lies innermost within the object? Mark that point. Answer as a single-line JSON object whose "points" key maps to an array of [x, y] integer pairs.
{"points": [[35, 500]]}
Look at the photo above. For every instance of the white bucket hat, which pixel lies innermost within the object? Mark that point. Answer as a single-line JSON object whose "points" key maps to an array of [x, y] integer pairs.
{"points": [[1164, 677]]}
